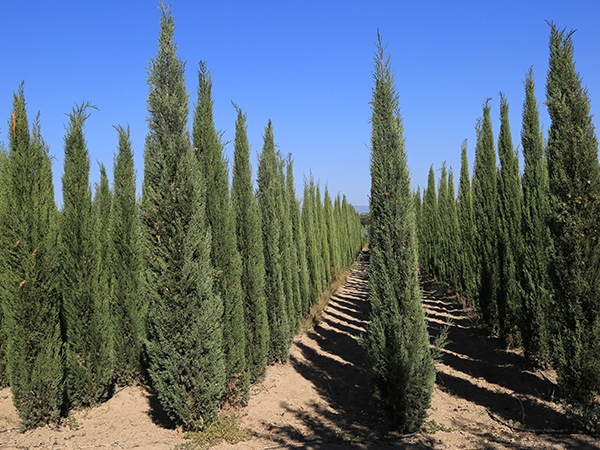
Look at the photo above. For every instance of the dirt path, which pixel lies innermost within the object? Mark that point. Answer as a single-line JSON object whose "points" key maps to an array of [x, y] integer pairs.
{"points": [[319, 400]]}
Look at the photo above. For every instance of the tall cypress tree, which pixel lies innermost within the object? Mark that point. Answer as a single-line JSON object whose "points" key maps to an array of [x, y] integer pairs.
{"points": [[250, 246], [299, 241], [128, 309], [314, 260], [443, 245], [224, 254], [185, 336], [535, 285], [322, 235], [102, 209], [467, 228], [268, 184], [396, 343], [3, 205], [509, 232], [453, 232], [84, 316], [574, 181], [331, 234], [287, 248], [429, 239], [485, 213], [29, 257]]}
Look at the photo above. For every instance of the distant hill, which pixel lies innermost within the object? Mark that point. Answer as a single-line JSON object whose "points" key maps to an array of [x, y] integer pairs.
{"points": [[361, 209]]}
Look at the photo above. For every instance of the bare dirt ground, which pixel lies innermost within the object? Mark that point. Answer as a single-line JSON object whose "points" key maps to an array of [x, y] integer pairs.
{"points": [[485, 397]]}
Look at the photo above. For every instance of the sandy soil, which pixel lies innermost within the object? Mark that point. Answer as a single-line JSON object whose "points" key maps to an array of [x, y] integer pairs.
{"points": [[485, 397]]}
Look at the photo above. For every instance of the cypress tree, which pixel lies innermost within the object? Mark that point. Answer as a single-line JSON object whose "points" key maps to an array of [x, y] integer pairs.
{"points": [[250, 246], [3, 200], [287, 248], [331, 235], [84, 316], [509, 232], [300, 269], [322, 236], [443, 246], [453, 233], [396, 342], [467, 228], [268, 184], [299, 240], [185, 336], [535, 285], [30, 291], [574, 182], [352, 220], [429, 240], [313, 258], [102, 208], [128, 309], [224, 254], [485, 213]]}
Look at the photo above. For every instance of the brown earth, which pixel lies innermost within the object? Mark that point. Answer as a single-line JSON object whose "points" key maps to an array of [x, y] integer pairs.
{"points": [[485, 397]]}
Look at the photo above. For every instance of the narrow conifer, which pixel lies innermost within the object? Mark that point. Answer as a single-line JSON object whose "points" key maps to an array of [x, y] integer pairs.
{"points": [[268, 184], [396, 343], [3, 205], [128, 309], [509, 232], [535, 284], [485, 213], [84, 318], [314, 261], [250, 246], [30, 291], [429, 239], [224, 254], [185, 336], [299, 241], [102, 209], [288, 249], [467, 228], [574, 182]]}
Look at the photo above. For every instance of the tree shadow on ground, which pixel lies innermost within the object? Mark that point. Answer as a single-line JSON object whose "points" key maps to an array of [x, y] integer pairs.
{"points": [[157, 413], [501, 381], [336, 368]]}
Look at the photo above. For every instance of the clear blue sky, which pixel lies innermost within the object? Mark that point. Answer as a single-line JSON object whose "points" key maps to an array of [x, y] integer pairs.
{"points": [[305, 65]]}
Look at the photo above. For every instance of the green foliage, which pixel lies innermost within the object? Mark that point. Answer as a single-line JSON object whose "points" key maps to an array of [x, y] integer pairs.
{"points": [[313, 244], [452, 232], [185, 336], [29, 270], [485, 213], [321, 225], [128, 308], [332, 232], [224, 254], [535, 285], [102, 207], [250, 246], [3, 204], [85, 317], [574, 183], [429, 229], [303, 293], [466, 221], [289, 264], [269, 203], [510, 242], [396, 343]]}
